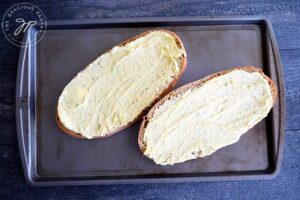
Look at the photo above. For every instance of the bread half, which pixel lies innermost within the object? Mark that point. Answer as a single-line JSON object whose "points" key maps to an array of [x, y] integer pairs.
{"points": [[201, 117], [116, 89]]}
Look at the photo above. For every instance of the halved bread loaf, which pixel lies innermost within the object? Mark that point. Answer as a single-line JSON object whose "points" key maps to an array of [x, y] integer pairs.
{"points": [[201, 117], [117, 88]]}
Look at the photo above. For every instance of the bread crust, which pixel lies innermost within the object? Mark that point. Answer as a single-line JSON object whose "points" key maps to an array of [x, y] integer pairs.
{"points": [[183, 63], [195, 84]]}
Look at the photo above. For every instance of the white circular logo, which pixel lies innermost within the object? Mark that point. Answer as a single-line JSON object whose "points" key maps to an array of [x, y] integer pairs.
{"points": [[18, 19]]}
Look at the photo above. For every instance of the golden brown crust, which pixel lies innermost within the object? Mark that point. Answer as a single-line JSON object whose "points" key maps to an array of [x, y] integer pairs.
{"points": [[197, 84], [166, 91]]}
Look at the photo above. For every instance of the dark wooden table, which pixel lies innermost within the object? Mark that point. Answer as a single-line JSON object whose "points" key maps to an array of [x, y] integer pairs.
{"points": [[285, 16]]}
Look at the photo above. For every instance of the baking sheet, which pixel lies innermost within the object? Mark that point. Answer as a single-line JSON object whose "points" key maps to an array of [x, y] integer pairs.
{"points": [[51, 157]]}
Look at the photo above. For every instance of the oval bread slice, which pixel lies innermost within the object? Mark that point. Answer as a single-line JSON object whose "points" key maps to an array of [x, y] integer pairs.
{"points": [[201, 117], [117, 88]]}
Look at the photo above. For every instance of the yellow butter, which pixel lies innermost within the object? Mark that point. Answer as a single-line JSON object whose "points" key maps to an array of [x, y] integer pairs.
{"points": [[118, 85], [205, 119]]}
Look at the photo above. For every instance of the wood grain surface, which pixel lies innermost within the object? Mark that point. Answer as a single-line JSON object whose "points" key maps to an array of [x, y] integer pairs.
{"points": [[285, 17]]}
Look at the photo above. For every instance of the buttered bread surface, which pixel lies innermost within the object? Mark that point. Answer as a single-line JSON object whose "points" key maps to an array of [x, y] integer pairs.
{"points": [[115, 88], [206, 118]]}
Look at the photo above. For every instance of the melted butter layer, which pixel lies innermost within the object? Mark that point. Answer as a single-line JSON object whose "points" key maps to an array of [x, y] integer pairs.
{"points": [[205, 119], [115, 88]]}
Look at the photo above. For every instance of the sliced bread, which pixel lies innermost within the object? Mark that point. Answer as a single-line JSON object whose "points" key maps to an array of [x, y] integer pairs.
{"points": [[201, 117], [116, 89]]}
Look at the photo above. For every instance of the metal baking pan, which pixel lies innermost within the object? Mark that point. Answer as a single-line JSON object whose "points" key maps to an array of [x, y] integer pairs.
{"points": [[51, 157]]}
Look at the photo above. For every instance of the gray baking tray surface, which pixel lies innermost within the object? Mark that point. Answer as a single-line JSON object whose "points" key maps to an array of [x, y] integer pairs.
{"points": [[50, 157]]}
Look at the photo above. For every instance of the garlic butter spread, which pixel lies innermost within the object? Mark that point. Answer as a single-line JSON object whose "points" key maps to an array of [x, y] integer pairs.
{"points": [[202, 120], [115, 88]]}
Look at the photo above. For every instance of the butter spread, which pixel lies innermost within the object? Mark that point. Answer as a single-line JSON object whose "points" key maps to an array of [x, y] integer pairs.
{"points": [[204, 119], [115, 88]]}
